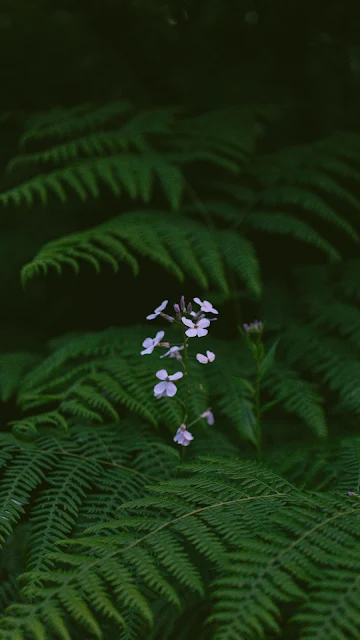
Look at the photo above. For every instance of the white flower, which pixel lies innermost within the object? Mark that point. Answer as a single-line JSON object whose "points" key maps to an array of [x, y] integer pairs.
{"points": [[210, 357], [206, 306], [166, 387], [196, 329], [183, 436], [158, 310], [209, 416], [151, 343], [173, 353]]}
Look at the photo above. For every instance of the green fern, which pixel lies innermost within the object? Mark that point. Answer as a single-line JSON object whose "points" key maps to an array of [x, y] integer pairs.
{"points": [[183, 249]]}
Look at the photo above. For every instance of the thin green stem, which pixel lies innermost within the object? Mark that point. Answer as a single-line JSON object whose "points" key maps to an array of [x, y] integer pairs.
{"points": [[258, 408], [186, 374]]}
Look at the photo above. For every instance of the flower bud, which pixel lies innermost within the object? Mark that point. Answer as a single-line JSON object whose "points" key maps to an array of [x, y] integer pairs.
{"points": [[182, 304], [254, 327], [189, 307]]}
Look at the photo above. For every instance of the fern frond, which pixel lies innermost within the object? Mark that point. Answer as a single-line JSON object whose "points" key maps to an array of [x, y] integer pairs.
{"points": [[288, 224], [132, 173], [299, 397], [26, 473], [13, 367], [59, 123], [180, 248]]}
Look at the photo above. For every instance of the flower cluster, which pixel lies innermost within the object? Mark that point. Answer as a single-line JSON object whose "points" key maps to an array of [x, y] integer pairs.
{"points": [[195, 325]]}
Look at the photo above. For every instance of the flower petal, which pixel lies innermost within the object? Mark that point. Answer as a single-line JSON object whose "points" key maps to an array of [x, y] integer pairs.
{"points": [[161, 306], [160, 387], [176, 376], [152, 316], [162, 374], [204, 322], [159, 336], [170, 389], [198, 301], [210, 355], [148, 342], [201, 358], [187, 322], [191, 333], [147, 351], [202, 332], [179, 437]]}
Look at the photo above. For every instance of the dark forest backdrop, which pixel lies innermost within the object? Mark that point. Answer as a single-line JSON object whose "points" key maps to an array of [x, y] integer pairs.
{"points": [[150, 151]]}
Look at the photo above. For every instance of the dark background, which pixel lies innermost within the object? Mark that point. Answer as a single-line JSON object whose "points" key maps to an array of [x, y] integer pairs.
{"points": [[301, 56]]}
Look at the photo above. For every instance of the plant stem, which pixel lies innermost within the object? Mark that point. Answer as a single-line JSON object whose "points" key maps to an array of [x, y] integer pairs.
{"points": [[186, 374], [258, 408]]}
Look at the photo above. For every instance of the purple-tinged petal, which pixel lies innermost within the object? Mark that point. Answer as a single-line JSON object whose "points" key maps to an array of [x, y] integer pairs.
{"points": [[187, 322], [204, 322], [176, 376], [161, 306], [159, 336], [183, 436], [152, 316], [147, 351], [170, 389], [160, 388], [202, 332], [201, 358], [191, 333], [162, 374], [210, 355], [209, 416], [148, 342]]}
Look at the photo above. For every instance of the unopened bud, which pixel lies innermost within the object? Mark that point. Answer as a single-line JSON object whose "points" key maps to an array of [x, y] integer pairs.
{"points": [[169, 318], [189, 307], [182, 304]]}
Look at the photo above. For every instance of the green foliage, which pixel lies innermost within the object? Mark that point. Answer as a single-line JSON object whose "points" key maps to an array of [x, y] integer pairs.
{"points": [[264, 542], [119, 537], [189, 249]]}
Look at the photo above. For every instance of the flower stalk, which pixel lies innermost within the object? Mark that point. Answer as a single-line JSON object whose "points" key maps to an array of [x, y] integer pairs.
{"points": [[195, 328]]}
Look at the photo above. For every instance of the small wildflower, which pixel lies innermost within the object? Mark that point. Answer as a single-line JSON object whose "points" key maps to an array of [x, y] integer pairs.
{"points": [[158, 310], [149, 344], [173, 353], [254, 327], [166, 386], [209, 416], [210, 357], [206, 306], [351, 493], [183, 436], [196, 328]]}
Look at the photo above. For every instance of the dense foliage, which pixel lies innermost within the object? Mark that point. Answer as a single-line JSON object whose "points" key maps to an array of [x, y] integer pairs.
{"points": [[149, 151]]}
